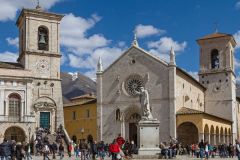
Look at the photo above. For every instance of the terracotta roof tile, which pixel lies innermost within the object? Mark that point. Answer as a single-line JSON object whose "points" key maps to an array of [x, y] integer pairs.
{"points": [[185, 110], [215, 35]]}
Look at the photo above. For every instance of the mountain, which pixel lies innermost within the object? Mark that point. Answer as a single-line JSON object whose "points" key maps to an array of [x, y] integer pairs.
{"points": [[76, 84]]}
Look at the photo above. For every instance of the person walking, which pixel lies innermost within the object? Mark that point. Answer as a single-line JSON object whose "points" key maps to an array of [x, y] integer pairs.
{"points": [[46, 152], [93, 149], [238, 149], [5, 149], [206, 151], [114, 149], [83, 148], [101, 150], [202, 148], [54, 150], [19, 151], [61, 151], [27, 150]]}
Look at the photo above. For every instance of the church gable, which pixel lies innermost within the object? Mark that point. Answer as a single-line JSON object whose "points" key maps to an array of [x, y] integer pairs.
{"points": [[134, 54], [135, 66]]}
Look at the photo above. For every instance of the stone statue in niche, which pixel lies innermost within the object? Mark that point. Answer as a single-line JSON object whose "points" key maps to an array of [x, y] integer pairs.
{"points": [[145, 105]]}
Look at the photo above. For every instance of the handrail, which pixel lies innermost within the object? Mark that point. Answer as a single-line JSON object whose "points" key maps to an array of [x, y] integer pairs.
{"points": [[66, 136]]}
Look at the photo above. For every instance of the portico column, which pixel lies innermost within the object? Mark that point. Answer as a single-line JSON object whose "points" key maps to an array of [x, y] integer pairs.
{"points": [[123, 128], [200, 137], [209, 137], [214, 139]]}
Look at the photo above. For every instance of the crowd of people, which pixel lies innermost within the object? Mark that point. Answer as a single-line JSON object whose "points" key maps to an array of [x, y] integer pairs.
{"points": [[99, 150], [118, 149], [202, 150]]}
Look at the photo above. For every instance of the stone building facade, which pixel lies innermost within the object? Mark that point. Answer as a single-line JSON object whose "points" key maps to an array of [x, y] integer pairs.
{"points": [[30, 89], [188, 109]]}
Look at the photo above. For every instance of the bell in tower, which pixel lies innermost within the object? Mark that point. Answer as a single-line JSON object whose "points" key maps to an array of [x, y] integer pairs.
{"points": [[42, 39]]}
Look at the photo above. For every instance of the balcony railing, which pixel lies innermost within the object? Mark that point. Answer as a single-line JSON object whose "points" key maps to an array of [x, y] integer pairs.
{"points": [[26, 118]]}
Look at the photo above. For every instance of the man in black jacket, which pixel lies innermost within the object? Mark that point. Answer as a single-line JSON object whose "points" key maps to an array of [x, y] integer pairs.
{"points": [[5, 149]]}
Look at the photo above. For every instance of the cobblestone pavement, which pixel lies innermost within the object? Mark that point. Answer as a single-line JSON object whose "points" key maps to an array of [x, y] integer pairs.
{"points": [[178, 158]]}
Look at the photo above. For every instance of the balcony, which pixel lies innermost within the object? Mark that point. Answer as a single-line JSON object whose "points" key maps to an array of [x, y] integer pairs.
{"points": [[17, 119]]}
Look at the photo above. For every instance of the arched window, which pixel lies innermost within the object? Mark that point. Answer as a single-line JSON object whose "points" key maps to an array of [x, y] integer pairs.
{"points": [[214, 59], [118, 115], [42, 38], [14, 105]]}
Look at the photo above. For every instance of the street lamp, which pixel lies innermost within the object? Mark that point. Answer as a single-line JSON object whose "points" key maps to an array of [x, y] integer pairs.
{"points": [[82, 131], [29, 132]]}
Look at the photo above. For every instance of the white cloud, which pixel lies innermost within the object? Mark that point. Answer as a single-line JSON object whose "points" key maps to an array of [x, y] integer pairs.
{"points": [[147, 30], [237, 38], [107, 54], [74, 34], [63, 58], [237, 5], [162, 47], [9, 11], [13, 41], [8, 56], [236, 63], [84, 49]]}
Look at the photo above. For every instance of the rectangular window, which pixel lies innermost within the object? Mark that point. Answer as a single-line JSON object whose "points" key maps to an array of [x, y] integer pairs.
{"points": [[87, 113], [74, 115], [2, 82]]}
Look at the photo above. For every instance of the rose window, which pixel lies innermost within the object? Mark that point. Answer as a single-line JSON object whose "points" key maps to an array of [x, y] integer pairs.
{"points": [[133, 84]]}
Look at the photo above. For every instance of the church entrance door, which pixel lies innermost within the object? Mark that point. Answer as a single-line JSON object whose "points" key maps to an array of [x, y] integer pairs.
{"points": [[133, 121], [15, 133], [45, 120], [133, 132]]}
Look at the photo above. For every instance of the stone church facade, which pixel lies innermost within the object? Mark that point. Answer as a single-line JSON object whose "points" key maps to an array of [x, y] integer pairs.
{"points": [[188, 109], [30, 89]]}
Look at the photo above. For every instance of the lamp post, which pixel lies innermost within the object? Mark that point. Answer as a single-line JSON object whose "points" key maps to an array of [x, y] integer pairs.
{"points": [[29, 132], [82, 131]]}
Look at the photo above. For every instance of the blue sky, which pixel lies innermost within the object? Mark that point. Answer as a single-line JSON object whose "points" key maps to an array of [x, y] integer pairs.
{"points": [[93, 28]]}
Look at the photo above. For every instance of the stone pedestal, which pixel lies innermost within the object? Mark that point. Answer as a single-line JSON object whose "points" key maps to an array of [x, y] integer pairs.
{"points": [[148, 137]]}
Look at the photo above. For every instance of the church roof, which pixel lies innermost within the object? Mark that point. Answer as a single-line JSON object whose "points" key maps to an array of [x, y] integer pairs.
{"points": [[218, 35], [71, 104], [38, 13], [215, 35], [85, 96], [189, 111], [158, 60], [185, 110], [11, 65]]}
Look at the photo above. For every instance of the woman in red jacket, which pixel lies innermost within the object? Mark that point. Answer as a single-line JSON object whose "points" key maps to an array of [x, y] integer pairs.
{"points": [[114, 149]]}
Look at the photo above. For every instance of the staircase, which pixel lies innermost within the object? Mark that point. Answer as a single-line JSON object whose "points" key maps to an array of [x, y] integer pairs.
{"points": [[52, 138]]}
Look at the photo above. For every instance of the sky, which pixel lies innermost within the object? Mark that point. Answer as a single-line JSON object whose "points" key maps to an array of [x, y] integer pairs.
{"points": [[94, 28]]}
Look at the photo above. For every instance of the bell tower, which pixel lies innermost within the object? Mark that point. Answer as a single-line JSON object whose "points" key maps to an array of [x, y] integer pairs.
{"points": [[39, 43], [39, 53], [216, 73]]}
